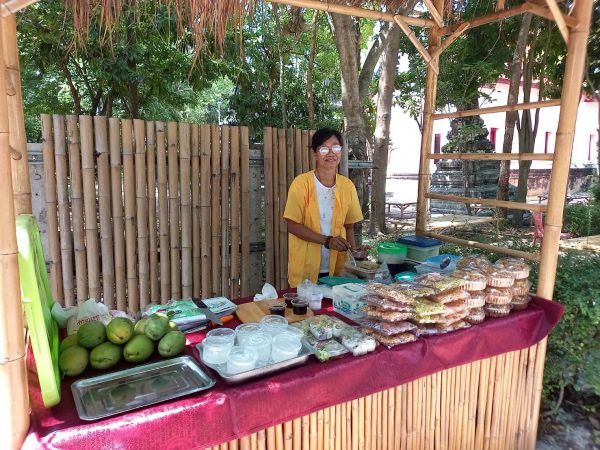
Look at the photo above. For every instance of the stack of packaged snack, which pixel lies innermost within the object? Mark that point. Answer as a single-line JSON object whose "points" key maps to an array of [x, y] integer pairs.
{"points": [[520, 288], [475, 284]]}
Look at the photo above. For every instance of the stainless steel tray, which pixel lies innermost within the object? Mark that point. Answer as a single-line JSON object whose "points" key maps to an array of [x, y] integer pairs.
{"points": [[260, 371], [125, 390]]}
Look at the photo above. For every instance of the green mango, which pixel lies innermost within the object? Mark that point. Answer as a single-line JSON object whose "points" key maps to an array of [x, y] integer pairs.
{"points": [[69, 341], [139, 326], [91, 334], [171, 344], [105, 356], [73, 360], [139, 348], [119, 330], [157, 326]]}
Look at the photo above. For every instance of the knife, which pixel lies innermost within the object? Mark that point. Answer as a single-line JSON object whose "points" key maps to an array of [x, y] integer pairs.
{"points": [[206, 311]]}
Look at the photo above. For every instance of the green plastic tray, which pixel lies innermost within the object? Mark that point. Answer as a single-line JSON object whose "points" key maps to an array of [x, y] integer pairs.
{"points": [[336, 281], [37, 303]]}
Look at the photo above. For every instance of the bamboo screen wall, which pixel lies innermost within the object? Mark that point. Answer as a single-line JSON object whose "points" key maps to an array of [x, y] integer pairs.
{"points": [[142, 212], [286, 155]]}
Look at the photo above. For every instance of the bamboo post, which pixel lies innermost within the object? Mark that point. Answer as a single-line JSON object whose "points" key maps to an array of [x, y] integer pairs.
{"points": [[174, 210], [215, 225], [152, 201], [163, 214], [275, 186], [74, 155], [196, 250], [116, 182], [51, 209], [225, 180], [297, 153], [133, 296], [16, 121], [428, 110], [245, 219], [64, 213], [282, 167], [311, 158], [141, 205], [559, 19], [14, 409], [90, 205], [290, 155], [432, 62], [205, 236], [104, 205], [305, 152], [268, 170], [186, 210], [235, 212]]}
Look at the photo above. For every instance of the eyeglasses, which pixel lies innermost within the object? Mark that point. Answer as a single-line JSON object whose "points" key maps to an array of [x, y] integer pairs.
{"points": [[333, 148]]}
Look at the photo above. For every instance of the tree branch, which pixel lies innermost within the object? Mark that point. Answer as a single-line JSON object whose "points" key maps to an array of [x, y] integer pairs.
{"points": [[372, 59]]}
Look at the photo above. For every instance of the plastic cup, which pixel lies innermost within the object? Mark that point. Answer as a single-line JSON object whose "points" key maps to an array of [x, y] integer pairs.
{"points": [[300, 306], [315, 301], [284, 347], [288, 297], [245, 330], [217, 345], [241, 359], [273, 324], [261, 342], [277, 309], [294, 332]]}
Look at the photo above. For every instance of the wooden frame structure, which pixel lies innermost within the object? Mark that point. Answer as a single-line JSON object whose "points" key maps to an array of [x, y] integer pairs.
{"points": [[526, 366]]}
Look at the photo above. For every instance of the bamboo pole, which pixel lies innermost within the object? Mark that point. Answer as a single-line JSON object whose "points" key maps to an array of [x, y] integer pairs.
{"points": [[133, 295], [489, 247], [116, 182], [225, 228], [14, 409], [449, 40], [90, 205], [305, 432], [205, 208], [296, 434], [431, 62], [269, 225], [427, 134], [288, 436], [235, 211], [64, 213], [74, 155], [282, 168], [546, 13], [141, 202], [497, 109], [174, 210], [297, 153], [488, 202], [245, 219], [11, 7], [152, 201], [354, 11], [215, 167], [187, 283], [196, 247], [16, 121], [305, 152], [275, 186], [435, 14], [500, 5], [488, 18], [55, 268], [311, 158], [104, 206], [493, 156], [290, 155], [163, 214]]}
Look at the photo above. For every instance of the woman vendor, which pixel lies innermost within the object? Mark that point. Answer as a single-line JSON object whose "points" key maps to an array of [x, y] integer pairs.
{"points": [[321, 210]]}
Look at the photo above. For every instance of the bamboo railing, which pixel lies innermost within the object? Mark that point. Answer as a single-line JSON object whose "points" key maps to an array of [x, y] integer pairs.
{"points": [[469, 407], [286, 155], [145, 215]]}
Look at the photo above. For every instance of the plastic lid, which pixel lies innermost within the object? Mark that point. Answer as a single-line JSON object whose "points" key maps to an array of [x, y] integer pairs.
{"points": [[221, 335], [37, 303], [242, 355], [286, 343], [248, 328], [259, 339], [393, 248], [273, 321], [293, 331], [419, 241], [405, 276], [436, 260]]}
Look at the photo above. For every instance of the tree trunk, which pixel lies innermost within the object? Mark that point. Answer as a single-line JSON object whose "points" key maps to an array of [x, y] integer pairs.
{"points": [[281, 68], [385, 91], [74, 91], [512, 116], [309, 72]]}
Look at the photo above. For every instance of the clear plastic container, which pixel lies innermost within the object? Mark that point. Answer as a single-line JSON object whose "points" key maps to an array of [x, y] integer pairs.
{"points": [[315, 301], [245, 330], [261, 342], [391, 253], [273, 324], [420, 248], [284, 347], [294, 332], [346, 300], [217, 345], [241, 359]]}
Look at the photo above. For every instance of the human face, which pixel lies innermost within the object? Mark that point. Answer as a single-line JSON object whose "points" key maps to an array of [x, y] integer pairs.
{"points": [[330, 160]]}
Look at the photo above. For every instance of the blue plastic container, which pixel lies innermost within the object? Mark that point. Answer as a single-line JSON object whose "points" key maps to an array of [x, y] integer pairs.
{"points": [[420, 248]]}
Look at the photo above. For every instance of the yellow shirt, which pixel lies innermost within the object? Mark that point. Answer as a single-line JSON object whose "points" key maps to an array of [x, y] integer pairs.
{"points": [[303, 207]]}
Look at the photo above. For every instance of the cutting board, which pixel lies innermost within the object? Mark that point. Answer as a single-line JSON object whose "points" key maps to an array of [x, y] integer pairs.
{"points": [[254, 311]]}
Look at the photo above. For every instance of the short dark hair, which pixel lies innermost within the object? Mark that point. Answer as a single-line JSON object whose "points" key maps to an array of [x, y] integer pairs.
{"points": [[322, 135]]}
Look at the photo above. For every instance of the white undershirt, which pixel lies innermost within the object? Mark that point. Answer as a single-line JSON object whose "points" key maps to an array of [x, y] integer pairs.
{"points": [[325, 196]]}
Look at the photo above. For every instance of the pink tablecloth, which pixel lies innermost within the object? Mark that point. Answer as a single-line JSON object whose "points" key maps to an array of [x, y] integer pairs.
{"points": [[225, 413]]}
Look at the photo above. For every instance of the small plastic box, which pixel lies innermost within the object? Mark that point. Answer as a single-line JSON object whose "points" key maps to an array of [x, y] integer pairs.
{"points": [[346, 300], [420, 248]]}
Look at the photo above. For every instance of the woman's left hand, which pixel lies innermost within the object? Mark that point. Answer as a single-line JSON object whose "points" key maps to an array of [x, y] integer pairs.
{"points": [[361, 252]]}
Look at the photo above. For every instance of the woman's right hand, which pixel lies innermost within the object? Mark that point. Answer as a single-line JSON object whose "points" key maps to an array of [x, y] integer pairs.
{"points": [[339, 244]]}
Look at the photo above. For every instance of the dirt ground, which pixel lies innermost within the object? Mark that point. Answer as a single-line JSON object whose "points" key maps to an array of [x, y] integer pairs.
{"points": [[573, 428]]}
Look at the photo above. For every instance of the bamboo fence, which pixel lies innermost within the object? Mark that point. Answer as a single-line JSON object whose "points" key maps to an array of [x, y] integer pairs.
{"points": [[142, 214], [286, 155], [477, 406]]}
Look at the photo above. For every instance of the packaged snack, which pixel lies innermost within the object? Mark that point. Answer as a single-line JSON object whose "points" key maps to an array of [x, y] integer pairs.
{"points": [[399, 292], [475, 300], [439, 282], [453, 317], [449, 296], [521, 287], [325, 327], [496, 310], [519, 302], [472, 262], [390, 341], [424, 307], [384, 303], [498, 296], [476, 315], [456, 325], [518, 267], [390, 316], [427, 319], [357, 342], [325, 350], [499, 277], [389, 328], [473, 279]]}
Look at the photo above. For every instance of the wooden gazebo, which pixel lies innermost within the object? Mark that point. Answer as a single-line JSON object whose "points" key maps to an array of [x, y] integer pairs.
{"points": [[509, 383]]}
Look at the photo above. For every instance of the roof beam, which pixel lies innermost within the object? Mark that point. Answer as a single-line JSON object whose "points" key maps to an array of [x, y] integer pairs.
{"points": [[355, 11], [415, 41], [435, 14], [497, 109], [13, 6], [559, 19], [450, 39], [546, 13]]}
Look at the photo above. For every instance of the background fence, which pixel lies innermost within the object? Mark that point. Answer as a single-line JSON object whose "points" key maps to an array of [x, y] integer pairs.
{"points": [[142, 212]]}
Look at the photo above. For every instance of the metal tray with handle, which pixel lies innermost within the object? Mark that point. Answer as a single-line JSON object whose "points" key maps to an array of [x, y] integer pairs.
{"points": [[129, 389], [262, 370]]}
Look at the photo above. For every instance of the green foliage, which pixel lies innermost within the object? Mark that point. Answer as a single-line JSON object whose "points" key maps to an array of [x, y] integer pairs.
{"points": [[582, 220]]}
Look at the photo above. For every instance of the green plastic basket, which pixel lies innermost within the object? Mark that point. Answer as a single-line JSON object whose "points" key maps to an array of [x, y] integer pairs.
{"points": [[37, 303]]}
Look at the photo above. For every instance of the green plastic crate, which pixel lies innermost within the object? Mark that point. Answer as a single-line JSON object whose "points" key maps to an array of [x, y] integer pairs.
{"points": [[37, 303]]}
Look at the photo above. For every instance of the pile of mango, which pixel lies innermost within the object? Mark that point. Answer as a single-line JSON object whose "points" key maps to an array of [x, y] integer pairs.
{"points": [[102, 346]]}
